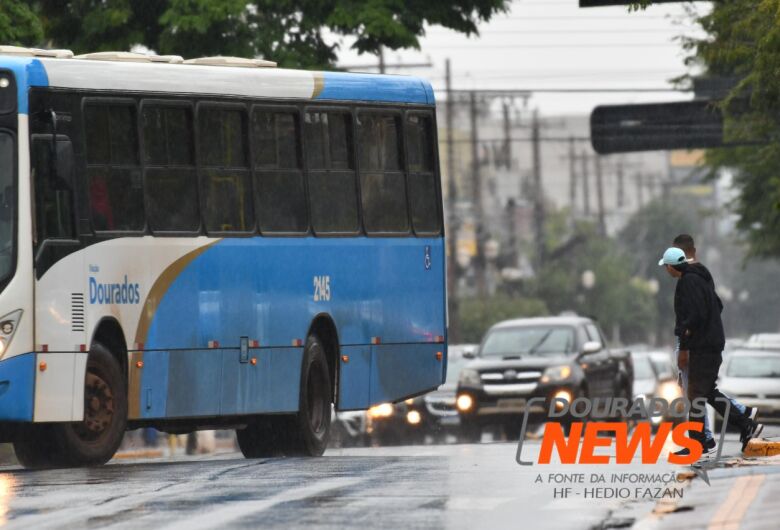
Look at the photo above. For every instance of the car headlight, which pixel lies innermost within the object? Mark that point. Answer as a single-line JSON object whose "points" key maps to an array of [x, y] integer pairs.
{"points": [[383, 410], [464, 402], [556, 373], [8, 325], [469, 378], [669, 391], [413, 417]]}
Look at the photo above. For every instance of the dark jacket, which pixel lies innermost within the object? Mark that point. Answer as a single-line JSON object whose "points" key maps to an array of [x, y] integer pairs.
{"points": [[697, 310]]}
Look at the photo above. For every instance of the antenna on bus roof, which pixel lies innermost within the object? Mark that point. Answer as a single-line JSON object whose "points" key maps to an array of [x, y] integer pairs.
{"points": [[231, 61]]}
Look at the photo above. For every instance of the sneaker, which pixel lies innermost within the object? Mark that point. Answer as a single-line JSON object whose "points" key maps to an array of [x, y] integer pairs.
{"points": [[752, 432], [707, 449], [752, 413]]}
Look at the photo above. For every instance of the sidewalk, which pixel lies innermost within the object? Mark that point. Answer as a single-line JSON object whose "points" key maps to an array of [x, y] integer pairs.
{"points": [[744, 493]]}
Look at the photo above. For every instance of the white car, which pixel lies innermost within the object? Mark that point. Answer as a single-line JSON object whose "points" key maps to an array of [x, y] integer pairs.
{"points": [[753, 378]]}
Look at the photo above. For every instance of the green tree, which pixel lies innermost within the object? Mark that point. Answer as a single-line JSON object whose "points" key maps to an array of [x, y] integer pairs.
{"points": [[743, 42], [291, 32], [19, 24]]}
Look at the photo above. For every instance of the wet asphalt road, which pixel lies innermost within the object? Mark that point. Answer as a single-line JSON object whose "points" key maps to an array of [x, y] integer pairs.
{"points": [[447, 486]]}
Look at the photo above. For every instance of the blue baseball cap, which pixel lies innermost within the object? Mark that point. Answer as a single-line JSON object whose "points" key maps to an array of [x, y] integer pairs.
{"points": [[673, 256]]}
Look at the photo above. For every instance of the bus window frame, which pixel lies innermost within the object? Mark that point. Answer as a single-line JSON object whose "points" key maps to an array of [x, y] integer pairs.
{"points": [[299, 113], [435, 170], [108, 100], [243, 106], [398, 112], [351, 112], [170, 103], [15, 178]]}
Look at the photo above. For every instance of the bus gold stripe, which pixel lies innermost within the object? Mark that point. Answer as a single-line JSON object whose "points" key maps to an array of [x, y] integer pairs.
{"points": [[319, 84], [156, 293]]}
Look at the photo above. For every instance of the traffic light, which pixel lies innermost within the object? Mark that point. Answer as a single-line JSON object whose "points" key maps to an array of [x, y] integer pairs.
{"points": [[656, 126]]}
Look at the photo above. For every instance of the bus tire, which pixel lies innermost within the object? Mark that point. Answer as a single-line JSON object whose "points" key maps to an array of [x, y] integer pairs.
{"points": [[264, 437], [311, 426], [94, 440], [34, 447]]}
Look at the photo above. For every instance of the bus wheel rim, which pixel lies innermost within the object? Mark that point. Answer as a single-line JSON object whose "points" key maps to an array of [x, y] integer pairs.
{"points": [[98, 407]]}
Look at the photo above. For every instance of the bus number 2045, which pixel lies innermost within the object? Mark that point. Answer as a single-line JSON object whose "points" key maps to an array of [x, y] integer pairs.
{"points": [[322, 288]]}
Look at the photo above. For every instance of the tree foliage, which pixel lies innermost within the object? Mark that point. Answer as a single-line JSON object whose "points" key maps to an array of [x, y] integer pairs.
{"points": [[743, 42], [297, 33], [19, 24]]}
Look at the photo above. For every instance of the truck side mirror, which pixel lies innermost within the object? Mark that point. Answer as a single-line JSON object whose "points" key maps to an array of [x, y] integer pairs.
{"points": [[592, 346], [469, 353]]}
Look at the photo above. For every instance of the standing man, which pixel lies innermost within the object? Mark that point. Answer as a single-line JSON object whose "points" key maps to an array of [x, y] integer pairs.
{"points": [[685, 243], [700, 331]]}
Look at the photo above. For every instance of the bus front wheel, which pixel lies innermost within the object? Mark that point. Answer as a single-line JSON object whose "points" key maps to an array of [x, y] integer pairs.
{"points": [[94, 440]]}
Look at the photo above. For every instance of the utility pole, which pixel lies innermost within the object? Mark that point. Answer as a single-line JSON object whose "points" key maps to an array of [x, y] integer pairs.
{"points": [[381, 57], [640, 190], [600, 196], [507, 154], [453, 268], [572, 176], [476, 184], [621, 185], [585, 185], [538, 190]]}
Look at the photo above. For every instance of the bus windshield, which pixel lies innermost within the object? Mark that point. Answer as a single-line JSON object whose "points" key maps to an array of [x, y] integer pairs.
{"points": [[7, 205]]}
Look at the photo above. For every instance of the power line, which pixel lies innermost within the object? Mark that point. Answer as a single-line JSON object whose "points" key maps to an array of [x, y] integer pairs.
{"points": [[616, 45]]}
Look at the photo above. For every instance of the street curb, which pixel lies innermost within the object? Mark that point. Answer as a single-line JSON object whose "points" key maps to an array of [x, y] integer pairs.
{"points": [[149, 453], [762, 448]]}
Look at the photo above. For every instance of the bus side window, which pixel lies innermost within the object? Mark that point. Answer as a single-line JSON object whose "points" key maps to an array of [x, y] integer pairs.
{"points": [[382, 181], [171, 179], [222, 157], [53, 203], [422, 183], [279, 187], [113, 168], [331, 171]]}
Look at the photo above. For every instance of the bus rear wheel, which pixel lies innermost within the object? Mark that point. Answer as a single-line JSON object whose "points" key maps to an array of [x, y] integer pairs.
{"points": [[94, 440], [305, 433]]}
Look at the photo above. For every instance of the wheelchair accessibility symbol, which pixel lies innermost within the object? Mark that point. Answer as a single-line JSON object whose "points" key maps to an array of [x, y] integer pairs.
{"points": [[427, 260]]}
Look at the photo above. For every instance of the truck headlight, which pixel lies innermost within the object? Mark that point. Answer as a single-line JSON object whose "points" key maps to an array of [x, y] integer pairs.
{"points": [[469, 377], [8, 325], [556, 373], [413, 417], [383, 410]]}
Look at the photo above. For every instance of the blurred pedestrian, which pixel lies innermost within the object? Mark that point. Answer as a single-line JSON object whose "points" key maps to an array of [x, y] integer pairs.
{"points": [[699, 328], [686, 243]]}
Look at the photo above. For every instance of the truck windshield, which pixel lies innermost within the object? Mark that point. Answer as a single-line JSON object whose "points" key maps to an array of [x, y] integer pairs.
{"points": [[7, 205], [529, 340]]}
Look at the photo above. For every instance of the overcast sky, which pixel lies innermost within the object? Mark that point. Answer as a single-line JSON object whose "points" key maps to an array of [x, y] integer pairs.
{"points": [[555, 44]]}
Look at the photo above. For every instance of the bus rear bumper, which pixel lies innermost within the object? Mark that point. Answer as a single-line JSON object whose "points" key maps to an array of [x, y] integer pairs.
{"points": [[17, 388]]}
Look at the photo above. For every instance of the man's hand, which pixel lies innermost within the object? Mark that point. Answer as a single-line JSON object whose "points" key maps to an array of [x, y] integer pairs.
{"points": [[682, 360]]}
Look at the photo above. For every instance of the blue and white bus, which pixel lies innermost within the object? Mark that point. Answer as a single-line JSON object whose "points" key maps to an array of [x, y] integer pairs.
{"points": [[211, 243]]}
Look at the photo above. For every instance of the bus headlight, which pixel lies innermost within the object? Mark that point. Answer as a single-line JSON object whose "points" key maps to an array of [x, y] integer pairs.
{"points": [[383, 410], [413, 417], [8, 325], [556, 373]]}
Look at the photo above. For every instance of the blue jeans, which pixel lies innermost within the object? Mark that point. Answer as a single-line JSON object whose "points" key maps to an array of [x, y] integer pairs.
{"points": [[684, 380]]}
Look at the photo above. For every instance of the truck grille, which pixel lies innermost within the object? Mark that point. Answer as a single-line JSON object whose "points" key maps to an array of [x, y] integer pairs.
{"points": [[510, 377]]}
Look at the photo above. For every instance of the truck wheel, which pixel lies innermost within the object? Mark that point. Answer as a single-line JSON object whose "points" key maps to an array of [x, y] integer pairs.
{"points": [[94, 440], [470, 432], [311, 425]]}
